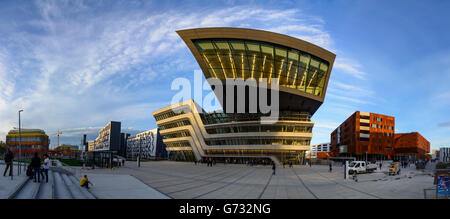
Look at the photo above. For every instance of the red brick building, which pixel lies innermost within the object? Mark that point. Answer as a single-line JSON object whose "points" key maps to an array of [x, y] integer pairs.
{"points": [[374, 134], [364, 133], [411, 144]]}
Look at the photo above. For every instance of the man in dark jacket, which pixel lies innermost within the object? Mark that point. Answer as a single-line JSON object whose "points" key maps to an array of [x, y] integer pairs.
{"points": [[36, 164], [273, 168], [9, 156]]}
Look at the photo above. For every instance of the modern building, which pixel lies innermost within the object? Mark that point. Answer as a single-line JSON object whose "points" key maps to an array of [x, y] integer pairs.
{"points": [[411, 146], [108, 143], [373, 135], [32, 141], [364, 134], [148, 144], [444, 154], [320, 151], [302, 70]]}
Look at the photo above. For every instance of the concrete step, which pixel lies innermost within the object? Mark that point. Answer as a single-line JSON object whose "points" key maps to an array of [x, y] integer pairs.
{"points": [[86, 193], [27, 191], [46, 190], [61, 190], [73, 188]]}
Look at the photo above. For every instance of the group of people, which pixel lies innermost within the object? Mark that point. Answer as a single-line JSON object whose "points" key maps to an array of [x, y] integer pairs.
{"points": [[36, 169]]}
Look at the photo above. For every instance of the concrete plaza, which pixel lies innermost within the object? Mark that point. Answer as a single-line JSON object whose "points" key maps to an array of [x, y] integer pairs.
{"points": [[182, 180]]}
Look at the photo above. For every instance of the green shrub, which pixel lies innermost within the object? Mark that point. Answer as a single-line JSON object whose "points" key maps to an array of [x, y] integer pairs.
{"points": [[442, 165]]}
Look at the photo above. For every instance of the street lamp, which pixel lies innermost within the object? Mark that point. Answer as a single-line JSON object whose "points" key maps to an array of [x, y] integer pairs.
{"points": [[20, 146]]}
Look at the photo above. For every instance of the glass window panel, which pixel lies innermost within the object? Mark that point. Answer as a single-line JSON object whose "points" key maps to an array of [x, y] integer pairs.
{"points": [[238, 45], [267, 49], [253, 47], [205, 45], [304, 59], [324, 67], [293, 55], [281, 52], [314, 63], [223, 45]]}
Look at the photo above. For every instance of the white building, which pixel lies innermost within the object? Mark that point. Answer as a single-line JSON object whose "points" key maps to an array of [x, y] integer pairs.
{"points": [[146, 141], [324, 147], [444, 155]]}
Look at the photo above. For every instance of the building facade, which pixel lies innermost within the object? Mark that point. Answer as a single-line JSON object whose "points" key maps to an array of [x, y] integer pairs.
{"points": [[364, 134], [320, 151], [411, 146], [149, 144], [302, 70], [373, 135], [32, 141], [109, 139], [444, 154]]}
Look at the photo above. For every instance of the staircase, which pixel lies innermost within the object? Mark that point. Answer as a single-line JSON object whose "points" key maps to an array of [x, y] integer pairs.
{"points": [[61, 185]]}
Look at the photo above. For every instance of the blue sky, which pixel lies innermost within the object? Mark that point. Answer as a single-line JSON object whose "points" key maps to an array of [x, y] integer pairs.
{"points": [[75, 65]]}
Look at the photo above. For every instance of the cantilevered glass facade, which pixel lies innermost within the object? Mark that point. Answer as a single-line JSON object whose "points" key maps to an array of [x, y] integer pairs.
{"points": [[231, 58], [303, 71]]}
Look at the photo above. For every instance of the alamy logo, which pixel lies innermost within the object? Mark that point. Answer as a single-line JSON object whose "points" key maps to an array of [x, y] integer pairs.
{"points": [[240, 95]]}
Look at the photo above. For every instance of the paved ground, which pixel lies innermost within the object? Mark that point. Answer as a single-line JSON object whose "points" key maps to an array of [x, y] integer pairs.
{"points": [[7, 186], [186, 180]]}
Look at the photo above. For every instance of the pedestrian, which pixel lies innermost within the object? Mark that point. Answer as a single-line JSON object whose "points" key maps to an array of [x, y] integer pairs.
{"points": [[46, 167], [9, 156], [123, 162], [195, 162], [284, 164], [273, 168], [330, 167], [36, 165], [290, 164], [84, 182], [381, 165]]}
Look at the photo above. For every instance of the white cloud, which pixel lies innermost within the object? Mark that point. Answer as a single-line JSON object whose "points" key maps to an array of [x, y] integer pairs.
{"points": [[85, 65], [350, 67]]}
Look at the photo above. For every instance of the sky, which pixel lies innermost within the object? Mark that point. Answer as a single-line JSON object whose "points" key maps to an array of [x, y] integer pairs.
{"points": [[76, 65]]}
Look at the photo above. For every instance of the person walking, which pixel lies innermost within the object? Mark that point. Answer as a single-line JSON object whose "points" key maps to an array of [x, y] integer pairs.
{"points": [[273, 168], [381, 164], [36, 165], [330, 167], [46, 167], [84, 182], [9, 156]]}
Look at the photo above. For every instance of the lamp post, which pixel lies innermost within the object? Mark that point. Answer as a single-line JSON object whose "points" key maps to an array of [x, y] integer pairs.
{"points": [[20, 146]]}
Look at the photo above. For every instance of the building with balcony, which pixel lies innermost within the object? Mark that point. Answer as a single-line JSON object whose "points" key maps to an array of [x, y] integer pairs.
{"points": [[148, 144], [374, 135], [110, 141], [363, 133], [320, 151], [32, 141], [302, 70]]}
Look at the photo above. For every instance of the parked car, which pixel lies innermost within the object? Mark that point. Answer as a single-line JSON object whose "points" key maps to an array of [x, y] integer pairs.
{"points": [[361, 167]]}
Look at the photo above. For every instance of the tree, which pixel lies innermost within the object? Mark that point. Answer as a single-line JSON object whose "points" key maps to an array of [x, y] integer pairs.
{"points": [[2, 147]]}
